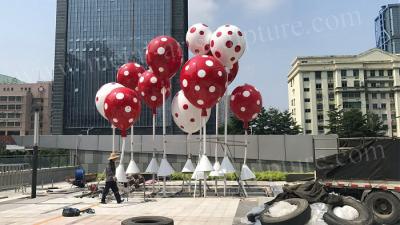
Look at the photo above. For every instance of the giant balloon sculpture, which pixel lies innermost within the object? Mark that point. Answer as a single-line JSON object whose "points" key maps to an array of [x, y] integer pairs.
{"points": [[164, 57], [128, 75], [204, 80], [246, 103], [122, 108]]}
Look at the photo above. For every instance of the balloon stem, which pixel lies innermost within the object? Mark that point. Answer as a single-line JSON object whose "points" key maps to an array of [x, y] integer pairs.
{"points": [[163, 90]]}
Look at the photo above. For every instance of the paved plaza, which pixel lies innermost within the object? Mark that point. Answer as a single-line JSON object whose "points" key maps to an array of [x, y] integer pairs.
{"points": [[46, 209]]}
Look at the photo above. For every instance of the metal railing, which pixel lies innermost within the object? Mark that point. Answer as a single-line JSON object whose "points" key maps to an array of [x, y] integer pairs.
{"points": [[12, 176], [45, 161]]}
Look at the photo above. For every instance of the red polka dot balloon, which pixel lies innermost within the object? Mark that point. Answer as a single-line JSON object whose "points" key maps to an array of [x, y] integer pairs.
{"points": [[128, 75], [228, 44], [198, 39], [150, 88], [203, 81], [246, 103], [164, 56], [232, 72], [186, 116], [122, 107]]}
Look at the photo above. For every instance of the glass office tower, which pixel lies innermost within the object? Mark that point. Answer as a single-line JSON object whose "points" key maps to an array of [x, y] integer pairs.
{"points": [[95, 37], [387, 28]]}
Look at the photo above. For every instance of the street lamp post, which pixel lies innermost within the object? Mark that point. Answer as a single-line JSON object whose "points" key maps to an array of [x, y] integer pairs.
{"points": [[35, 152]]}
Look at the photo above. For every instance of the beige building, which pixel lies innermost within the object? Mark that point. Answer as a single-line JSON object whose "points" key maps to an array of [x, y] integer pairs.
{"points": [[368, 81], [16, 106]]}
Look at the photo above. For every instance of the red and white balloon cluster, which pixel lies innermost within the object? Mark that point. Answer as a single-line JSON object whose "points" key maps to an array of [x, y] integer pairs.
{"points": [[120, 102]]}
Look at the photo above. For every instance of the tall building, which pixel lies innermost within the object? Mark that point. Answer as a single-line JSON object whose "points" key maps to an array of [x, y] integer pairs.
{"points": [[93, 38], [16, 106], [387, 28], [369, 81]]}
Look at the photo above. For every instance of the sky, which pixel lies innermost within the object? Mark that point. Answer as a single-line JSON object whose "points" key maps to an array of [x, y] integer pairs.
{"points": [[276, 31]]}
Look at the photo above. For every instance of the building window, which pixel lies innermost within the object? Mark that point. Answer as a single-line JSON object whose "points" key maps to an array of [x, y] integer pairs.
{"points": [[344, 84], [381, 73], [308, 131], [308, 121], [372, 73], [330, 75], [343, 73], [306, 89], [331, 96], [17, 106], [383, 95], [320, 117], [330, 85], [383, 106], [391, 95], [319, 96], [321, 129], [373, 84], [320, 106], [356, 83], [307, 110], [11, 99], [318, 75], [374, 106], [306, 79], [374, 96], [306, 100], [356, 73], [390, 73], [11, 107], [331, 107], [318, 86], [3, 98], [18, 98], [384, 116]]}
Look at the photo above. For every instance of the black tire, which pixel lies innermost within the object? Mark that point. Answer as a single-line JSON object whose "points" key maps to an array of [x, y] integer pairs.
{"points": [[300, 216], [384, 206], [148, 220], [364, 218]]}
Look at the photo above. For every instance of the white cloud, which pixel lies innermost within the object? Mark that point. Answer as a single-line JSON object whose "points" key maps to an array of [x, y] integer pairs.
{"points": [[203, 11]]}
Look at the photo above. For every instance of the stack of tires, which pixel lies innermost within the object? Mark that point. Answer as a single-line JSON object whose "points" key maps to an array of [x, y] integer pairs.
{"points": [[377, 208]]}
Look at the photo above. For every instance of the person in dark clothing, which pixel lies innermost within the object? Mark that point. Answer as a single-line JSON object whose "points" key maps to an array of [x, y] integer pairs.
{"points": [[111, 180]]}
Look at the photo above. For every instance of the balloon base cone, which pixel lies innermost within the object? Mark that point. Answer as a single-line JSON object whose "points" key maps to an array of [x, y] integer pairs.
{"points": [[120, 174], [216, 170], [165, 169], [227, 166], [132, 168], [204, 164], [153, 166], [246, 173], [188, 168]]}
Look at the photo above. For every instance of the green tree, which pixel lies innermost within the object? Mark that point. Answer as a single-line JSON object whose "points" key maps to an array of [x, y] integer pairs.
{"points": [[271, 121], [352, 123]]}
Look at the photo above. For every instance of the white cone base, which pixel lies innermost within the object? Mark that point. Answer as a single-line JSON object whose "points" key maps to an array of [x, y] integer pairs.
{"points": [[153, 166], [165, 169], [226, 166], [188, 168], [246, 173], [120, 174], [197, 175], [216, 170], [204, 164], [132, 168]]}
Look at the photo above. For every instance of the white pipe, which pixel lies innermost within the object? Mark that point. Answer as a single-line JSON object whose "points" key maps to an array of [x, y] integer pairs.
{"points": [[164, 129], [245, 147], [154, 148], [122, 150], [113, 138], [216, 132], [131, 142], [204, 152]]}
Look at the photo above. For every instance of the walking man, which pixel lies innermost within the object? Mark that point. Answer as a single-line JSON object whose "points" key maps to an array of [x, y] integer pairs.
{"points": [[111, 180]]}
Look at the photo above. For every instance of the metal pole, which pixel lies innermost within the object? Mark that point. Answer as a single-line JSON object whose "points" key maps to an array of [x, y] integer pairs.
{"points": [[204, 153], [113, 138], [35, 153], [164, 141], [154, 149]]}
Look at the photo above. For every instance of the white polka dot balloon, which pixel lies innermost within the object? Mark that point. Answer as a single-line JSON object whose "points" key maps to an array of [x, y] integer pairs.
{"points": [[198, 39], [186, 116], [102, 94], [228, 44]]}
